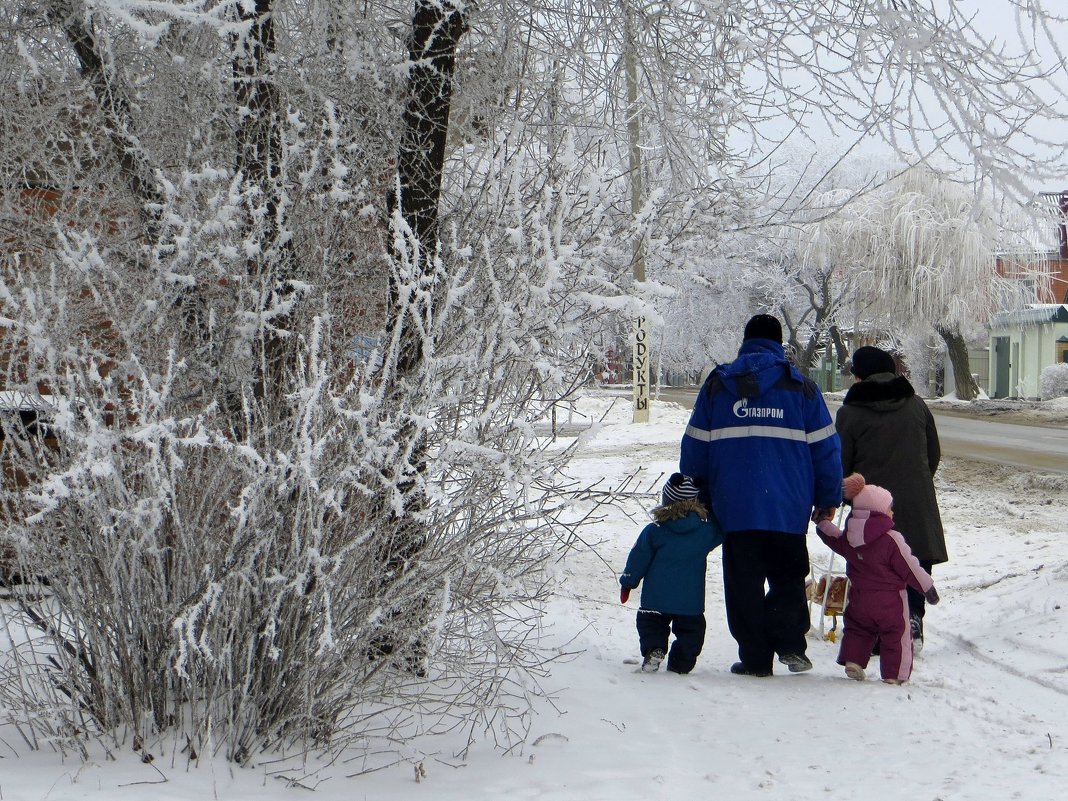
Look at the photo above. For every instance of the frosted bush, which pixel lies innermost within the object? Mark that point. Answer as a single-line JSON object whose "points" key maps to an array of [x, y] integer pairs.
{"points": [[1053, 383], [256, 535]]}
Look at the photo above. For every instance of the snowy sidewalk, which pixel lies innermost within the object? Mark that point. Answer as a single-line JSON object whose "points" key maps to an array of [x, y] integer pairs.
{"points": [[984, 718]]}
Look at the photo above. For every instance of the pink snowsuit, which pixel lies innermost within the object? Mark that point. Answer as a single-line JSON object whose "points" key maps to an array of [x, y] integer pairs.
{"points": [[879, 565]]}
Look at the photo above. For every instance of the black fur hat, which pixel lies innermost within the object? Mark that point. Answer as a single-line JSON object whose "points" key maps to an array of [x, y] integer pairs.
{"points": [[869, 361]]}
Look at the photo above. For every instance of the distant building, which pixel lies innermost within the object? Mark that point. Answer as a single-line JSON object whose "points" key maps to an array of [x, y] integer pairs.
{"points": [[1041, 275], [1022, 344], [1024, 341]]}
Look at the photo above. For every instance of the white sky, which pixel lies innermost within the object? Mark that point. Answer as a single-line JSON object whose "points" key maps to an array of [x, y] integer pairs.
{"points": [[996, 19]]}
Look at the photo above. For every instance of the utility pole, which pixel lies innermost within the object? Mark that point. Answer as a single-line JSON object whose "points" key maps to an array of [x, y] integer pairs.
{"points": [[640, 340]]}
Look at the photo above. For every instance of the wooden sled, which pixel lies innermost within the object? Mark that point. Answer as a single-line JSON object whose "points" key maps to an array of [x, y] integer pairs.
{"points": [[828, 588]]}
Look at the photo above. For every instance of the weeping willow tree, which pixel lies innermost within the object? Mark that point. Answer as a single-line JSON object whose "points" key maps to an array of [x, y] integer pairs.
{"points": [[924, 254]]}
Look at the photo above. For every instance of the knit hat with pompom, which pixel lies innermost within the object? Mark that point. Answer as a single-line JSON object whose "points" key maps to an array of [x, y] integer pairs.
{"points": [[866, 496], [851, 485]]}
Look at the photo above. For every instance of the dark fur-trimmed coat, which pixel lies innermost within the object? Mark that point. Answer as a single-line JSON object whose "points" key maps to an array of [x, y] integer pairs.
{"points": [[888, 435]]}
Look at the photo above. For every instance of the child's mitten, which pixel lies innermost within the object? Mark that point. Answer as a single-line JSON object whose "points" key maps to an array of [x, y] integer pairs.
{"points": [[932, 596], [624, 594]]}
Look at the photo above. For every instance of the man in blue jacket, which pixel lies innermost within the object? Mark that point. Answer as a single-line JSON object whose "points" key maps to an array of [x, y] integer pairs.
{"points": [[764, 446]]}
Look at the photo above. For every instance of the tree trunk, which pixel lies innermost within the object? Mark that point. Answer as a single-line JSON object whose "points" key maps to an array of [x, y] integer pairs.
{"points": [[841, 350], [436, 31], [259, 162], [802, 357], [94, 64], [966, 386], [806, 358], [437, 26]]}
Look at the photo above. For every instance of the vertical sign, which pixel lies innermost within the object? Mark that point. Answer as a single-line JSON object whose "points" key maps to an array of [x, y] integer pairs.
{"points": [[634, 133], [641, 370]]}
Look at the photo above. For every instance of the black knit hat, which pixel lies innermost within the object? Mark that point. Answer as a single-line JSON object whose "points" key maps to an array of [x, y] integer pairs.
{"points": [[763, 326], [678, 488], [869, 361]]}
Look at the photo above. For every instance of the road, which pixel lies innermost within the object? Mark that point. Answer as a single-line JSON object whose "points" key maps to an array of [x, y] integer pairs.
{"points": [[1042, 448], [1031, 447]]}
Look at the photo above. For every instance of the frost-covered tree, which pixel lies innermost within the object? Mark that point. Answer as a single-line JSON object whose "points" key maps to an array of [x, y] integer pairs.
{"points": [[976, 93], [922, 253], [928, 76], [298, 281], [297, 490]]}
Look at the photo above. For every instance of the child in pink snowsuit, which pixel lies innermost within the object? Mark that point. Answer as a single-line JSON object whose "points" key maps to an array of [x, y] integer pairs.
{"points": [[879, 564]]}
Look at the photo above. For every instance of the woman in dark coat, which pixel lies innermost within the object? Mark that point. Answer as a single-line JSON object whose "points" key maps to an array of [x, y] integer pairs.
{"points": [[888, 435]]}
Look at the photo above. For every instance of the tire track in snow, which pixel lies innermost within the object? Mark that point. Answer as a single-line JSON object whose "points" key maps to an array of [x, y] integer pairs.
{"points": [[972, 650]]}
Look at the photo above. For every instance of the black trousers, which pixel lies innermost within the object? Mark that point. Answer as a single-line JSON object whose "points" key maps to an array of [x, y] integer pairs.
{"points": [[917, 601], [775, 619], [689, 630]]}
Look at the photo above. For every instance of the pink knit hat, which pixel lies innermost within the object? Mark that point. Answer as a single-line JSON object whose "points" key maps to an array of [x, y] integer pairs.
{"points": [[866, 496], [874, 499]]}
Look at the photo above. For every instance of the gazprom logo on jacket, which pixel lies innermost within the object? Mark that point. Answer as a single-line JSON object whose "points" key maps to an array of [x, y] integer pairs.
{"points": [[742, 409]]}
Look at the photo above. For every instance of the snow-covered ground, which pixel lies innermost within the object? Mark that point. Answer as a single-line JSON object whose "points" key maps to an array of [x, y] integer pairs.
{"points": [[985, 716], [1052, 412]]}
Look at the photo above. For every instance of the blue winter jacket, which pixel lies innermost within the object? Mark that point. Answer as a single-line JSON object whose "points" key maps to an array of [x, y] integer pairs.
{"points": [[762, 440], [668, 560]]}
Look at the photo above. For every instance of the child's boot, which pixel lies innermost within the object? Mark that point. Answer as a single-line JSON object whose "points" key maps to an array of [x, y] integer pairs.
{"points": [[854, 671], [651, 663], [916, 629]]}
